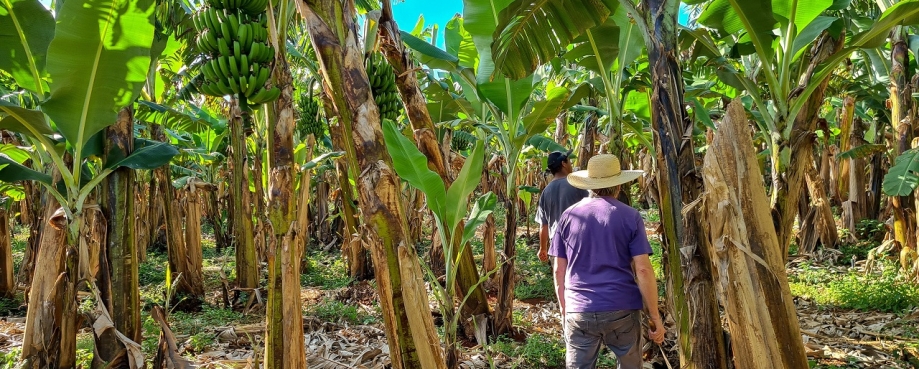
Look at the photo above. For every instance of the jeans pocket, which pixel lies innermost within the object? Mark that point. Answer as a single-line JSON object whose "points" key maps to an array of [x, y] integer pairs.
{"points": [[624, 324]]}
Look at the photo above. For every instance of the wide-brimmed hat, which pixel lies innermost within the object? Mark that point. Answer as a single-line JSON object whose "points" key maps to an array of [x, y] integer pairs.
{"points": [[602, 171]]}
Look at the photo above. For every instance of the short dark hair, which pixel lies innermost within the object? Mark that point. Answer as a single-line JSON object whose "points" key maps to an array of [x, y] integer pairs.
{"points": [[557, 167], [606, 192]]}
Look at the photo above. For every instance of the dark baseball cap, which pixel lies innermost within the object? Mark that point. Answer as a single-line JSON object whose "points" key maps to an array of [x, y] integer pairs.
{"points": [[556, 158]]}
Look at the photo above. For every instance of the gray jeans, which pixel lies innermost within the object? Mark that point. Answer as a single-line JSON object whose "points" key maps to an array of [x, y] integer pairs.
{"points": [[620, 330]]}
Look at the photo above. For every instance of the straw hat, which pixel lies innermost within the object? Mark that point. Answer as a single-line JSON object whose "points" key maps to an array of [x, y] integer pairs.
{"points": [[602, 171]]}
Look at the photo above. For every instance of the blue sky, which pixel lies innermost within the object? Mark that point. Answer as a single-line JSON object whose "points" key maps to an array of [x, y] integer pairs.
{"points": [[408, 11]]}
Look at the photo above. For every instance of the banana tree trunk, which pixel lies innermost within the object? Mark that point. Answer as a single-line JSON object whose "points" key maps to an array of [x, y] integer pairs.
{"points": [[257, 199], [7, 285], [284, 340], [243, 236], [193, 251], [175, 234], [332, 32], [490, 259], [50, 338], [847, 123], [351, 247], [504, 307], [588, 137], [900, 105], [690, 288], [856, 208], [416, 106], [142, 197], [790, 180], [38, 199], [118, 275], [748, 262]]}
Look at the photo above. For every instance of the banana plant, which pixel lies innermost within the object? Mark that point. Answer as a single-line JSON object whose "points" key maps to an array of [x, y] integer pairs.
{"points": [[597, 35], [448, 205], [85, 66], [757, 57]]}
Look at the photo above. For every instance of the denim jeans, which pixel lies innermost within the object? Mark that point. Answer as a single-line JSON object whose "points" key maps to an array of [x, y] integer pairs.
{"points": [[619, 330]]}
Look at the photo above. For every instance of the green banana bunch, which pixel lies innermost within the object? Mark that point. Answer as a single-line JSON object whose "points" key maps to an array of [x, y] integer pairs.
{"points": [[462, 139], [311, 119], [383, 85], [233, 34], [250, 6]]}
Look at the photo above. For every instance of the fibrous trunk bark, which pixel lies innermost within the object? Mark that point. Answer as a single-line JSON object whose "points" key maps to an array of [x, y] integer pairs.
{"points": [[243, 236], [284, 341], [118, 274], [412, 340], [690, 287], [900, 105], [789, 180], [7, 286], [187, 282], [748, 264], [504, 307], [50, 334], [857, 207]]}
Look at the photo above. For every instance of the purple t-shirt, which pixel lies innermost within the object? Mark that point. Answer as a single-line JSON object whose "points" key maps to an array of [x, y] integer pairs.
{"points": [[599, 237]]}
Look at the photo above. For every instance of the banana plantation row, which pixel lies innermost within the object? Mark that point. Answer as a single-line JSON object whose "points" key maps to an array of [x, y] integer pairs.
{"points": [[282, 123]]}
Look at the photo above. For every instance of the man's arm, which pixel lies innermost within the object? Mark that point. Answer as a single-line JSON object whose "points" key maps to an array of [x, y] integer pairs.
{"points": [[544, 243], [647, 284], [560, 266]]}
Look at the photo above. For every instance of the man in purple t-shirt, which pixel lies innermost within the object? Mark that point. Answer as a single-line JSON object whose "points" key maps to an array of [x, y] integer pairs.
{"points": [[603, 276]]}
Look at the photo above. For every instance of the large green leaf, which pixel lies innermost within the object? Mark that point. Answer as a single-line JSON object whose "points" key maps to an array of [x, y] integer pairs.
{"points": [[737, 16], [482, 208], [902, 13], [98, 62], [480, 18], [26, 29], [459, 43], [507, 95], [545, 111], [412, 166], [903, 177], [810, 33], [631, 41], [600, 45], [466, 182], [21, 120], [168, 117], [146, 155], [532, 32], [15, 172], [544, 143], [803, 11]]}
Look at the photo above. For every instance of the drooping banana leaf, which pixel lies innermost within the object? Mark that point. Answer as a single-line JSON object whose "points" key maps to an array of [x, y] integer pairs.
{"points": [[530, 33], [412, 166], [15, 172], [754, 17], [802, 11], [544, 143], [26, 29], [903, 177], [466, 182], [480, 18], [862, 151], [98, 62], [25, 121], [147, 155], [459, 43]]}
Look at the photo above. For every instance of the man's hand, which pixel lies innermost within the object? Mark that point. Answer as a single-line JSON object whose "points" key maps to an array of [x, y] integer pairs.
{"points": [[657, 330], [543, 255]]}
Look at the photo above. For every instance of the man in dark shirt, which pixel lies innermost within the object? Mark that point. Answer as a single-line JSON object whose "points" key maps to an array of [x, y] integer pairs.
{"points": [[555, 199]]}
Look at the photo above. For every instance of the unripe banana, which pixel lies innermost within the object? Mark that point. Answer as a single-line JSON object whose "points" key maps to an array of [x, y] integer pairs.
{"points": [[234, 69], [222, 46]]}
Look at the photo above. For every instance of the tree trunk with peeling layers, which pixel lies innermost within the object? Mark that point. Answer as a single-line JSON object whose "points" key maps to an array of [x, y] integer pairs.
{"points": [[901, 118], [189, 282], [416, 109], [690, 287], [50, 337], [284, 340], [243, 234], [7, 286], [117, 278], [790, 179], [748, 265], [406, 316]]}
